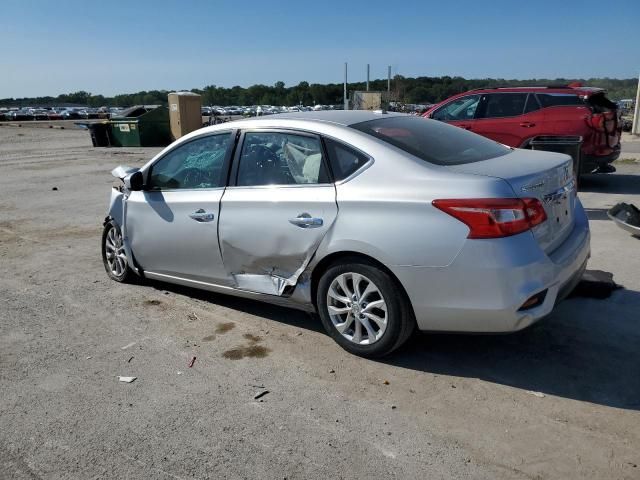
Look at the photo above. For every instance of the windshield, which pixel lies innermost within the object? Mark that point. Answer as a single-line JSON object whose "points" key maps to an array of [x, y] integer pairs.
{"points": [[433, 141]]}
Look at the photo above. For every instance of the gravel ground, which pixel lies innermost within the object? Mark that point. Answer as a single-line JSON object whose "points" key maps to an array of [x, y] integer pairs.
{"points": [[445, 406]]}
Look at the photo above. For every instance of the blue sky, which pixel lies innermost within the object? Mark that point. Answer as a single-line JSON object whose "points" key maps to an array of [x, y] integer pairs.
{"points": [[49, 47]]}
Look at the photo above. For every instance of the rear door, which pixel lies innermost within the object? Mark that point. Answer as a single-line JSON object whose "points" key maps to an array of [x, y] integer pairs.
{"points": [[279, 205], [511, 118]]}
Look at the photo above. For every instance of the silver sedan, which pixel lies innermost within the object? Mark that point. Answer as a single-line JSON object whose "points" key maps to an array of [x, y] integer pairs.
{"points": [[381, 223]]}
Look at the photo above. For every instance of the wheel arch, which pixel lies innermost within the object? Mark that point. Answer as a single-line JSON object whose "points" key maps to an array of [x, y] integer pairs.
{"points": [[346, 255]]}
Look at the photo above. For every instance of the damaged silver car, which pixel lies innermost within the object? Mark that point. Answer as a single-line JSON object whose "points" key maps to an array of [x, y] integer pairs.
{"points": [[379, 222]]}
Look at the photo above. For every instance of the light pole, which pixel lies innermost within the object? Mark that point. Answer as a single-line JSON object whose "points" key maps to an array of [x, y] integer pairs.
{"points": [[635, 129]]}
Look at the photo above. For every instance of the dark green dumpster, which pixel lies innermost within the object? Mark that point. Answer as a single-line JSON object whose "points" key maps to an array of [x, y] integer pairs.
{"points": [[141, 126]]}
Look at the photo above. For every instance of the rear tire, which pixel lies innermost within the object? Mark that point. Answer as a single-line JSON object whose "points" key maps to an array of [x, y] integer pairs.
{"points": [[114, 256], [364, 309]]}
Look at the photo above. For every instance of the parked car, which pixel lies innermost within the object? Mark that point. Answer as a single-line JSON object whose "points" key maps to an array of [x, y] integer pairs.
{"points": [[379, 222], [517, 116], [69, 114], [54, 115], [21, 115]]}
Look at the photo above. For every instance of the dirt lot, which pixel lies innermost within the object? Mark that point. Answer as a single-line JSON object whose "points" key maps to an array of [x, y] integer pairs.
{"points": [[444, 407]]}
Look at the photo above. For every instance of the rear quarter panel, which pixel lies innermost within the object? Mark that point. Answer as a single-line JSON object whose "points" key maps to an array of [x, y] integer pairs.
{"points": [[386, 212]]}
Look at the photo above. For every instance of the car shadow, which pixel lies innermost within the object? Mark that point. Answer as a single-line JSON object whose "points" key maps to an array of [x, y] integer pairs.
{"points": [[619, 183], [286, 315], [586, 350]]}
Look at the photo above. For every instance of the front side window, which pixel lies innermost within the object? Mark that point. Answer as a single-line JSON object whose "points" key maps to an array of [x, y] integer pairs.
{"points": [[463, 108], [195, 164], [434, 142], [500, 105], [277, 158]]}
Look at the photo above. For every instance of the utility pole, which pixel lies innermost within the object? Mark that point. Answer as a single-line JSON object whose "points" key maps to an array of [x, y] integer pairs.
{"points": [[389, 78], [635, 129], [367, 77], [346, 100]]}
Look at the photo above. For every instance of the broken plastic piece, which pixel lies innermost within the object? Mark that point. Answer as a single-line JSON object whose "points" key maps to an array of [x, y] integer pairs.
{"points": [[260, 394], [126, 379], [626, 216]]}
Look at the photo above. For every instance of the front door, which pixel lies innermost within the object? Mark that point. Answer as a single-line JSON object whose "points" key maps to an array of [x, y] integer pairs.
{"points": [[172, 225], [279, 205]]}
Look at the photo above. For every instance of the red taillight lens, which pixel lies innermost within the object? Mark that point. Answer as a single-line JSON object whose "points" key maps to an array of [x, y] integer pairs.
{"points": [[495, 217], [596, 121]]}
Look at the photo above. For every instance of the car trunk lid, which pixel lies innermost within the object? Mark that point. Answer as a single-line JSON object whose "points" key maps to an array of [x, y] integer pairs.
{"points": [[546, 176]]}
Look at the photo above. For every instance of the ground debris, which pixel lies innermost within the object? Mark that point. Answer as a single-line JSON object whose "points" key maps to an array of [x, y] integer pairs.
{"points": [[595, 284], [127, 379], [193, 360], [260, 394]]}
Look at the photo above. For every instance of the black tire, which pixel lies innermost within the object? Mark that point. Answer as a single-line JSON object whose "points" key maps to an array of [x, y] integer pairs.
{"points": [[119, 274], [400, 320]]}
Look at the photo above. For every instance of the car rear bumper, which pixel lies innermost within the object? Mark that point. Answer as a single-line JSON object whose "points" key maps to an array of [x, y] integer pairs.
{"points": [[485, 287]]}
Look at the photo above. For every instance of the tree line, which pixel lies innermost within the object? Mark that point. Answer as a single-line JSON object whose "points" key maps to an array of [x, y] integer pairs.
{"points": [[418, 90]]}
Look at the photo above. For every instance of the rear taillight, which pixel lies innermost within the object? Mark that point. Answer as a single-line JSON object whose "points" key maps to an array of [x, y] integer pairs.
{"points": [[596, 121], [495, 217]]}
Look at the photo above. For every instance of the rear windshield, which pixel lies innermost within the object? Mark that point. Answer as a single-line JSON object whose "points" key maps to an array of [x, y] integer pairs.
{"points": [[433, 141]]}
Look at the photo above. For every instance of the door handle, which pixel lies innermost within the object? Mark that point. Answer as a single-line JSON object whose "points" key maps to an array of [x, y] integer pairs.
{"points": [[201, 216], [527, 124], [304, 220]]}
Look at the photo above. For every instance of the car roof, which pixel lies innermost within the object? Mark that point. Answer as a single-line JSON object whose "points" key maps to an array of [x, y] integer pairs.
{"points": [[540, 89], [339, 117]]}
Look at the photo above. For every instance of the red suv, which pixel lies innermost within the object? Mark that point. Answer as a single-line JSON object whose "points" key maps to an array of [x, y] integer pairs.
{"points": [[532, 117]]}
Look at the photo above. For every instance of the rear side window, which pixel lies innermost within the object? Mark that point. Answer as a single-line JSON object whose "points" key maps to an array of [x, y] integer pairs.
{"points": [[559, 99], [431, 141], [344, 160], [500, 105]]}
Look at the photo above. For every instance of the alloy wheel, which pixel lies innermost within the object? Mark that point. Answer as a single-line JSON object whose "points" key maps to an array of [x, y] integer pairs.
{"points": [[357, 308], [114, 252]]}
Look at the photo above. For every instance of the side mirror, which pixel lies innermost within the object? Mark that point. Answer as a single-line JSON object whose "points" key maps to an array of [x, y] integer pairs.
{"points": [[134, 182]]}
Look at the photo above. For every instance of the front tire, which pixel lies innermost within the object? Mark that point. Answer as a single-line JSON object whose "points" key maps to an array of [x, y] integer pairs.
{"points": [[114, 256], [364, 309]]}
